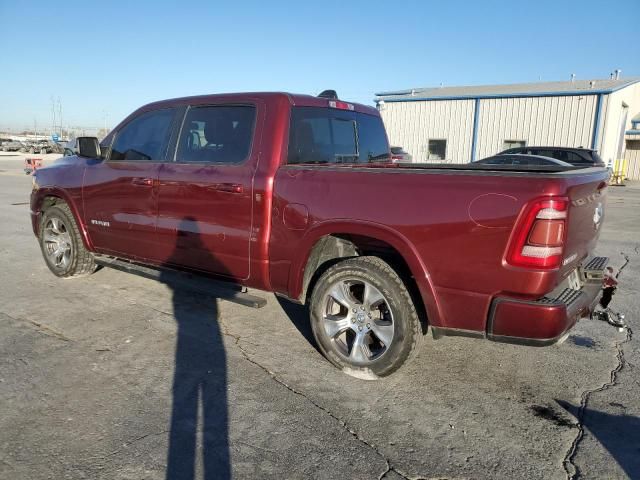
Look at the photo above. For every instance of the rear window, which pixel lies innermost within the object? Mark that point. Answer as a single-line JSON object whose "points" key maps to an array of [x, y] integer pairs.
{"points": [[323, 135]]}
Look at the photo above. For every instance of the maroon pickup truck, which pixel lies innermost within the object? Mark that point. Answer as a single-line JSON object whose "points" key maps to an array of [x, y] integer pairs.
{"points": [[297, 195]]}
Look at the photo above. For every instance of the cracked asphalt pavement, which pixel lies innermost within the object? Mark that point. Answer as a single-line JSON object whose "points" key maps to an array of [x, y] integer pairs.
{"points": [[114, 376]]}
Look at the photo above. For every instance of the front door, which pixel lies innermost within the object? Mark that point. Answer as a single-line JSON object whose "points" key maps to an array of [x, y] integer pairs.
{"points": [[120, 193], [205, 195]]}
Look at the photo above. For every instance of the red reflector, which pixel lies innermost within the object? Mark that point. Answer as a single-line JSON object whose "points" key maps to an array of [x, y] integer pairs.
{"points": [[340, 104], [548, 233]]}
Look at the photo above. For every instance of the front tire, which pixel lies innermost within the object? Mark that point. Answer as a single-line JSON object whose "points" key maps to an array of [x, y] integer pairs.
{"points": [[61, 244], [363, 318]]}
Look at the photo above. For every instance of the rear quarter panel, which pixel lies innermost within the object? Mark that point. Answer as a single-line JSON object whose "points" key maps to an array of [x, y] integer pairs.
{"points": [[456, 224]]}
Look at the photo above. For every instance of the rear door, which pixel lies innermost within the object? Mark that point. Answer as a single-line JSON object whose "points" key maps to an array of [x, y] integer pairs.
{"points": [[120, 193], [205, 193]]}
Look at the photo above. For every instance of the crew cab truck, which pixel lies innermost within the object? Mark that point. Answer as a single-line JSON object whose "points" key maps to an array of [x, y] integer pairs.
{"points": [[297, 195]]}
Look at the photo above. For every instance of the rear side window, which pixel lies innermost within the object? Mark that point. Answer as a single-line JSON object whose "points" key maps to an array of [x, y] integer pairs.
{"points": [[146, 137], [323, 135], [216, 134], [575, 158], [558, 155], [597, 159]]}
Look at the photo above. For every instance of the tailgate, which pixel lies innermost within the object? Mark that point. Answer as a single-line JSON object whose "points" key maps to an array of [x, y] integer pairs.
{"points": [[587, 197]]}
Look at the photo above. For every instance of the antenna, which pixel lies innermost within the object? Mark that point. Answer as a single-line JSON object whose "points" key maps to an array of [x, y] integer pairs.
{"points": [[330, 94]]}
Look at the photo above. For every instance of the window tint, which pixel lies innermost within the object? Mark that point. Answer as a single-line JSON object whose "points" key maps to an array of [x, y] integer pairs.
{"points": [[549, 153], [496, 161], [216, 134], [575, 158], [144, 138], [540, 161], [437, 149], [373, 139], [344, 139], [597, 159], [323, 135]]}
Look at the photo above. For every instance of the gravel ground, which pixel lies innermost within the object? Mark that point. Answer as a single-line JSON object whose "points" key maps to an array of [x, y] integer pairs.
{"points": [[118, 377]]}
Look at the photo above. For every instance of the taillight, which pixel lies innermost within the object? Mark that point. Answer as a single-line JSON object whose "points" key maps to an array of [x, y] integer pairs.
{"points": [[540, 234]]}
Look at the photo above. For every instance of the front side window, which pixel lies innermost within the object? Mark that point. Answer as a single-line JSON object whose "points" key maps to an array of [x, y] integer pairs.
{"points": [[216, 134], [144, 138], [437, 150], [323, 135]]}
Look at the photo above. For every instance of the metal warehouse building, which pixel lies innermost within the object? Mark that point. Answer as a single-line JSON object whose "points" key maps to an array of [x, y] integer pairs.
{"points": [[462, 124]]}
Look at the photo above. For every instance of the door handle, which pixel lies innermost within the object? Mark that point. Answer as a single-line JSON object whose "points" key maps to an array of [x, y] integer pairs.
{"points": [[142, 182], [229, 187]]}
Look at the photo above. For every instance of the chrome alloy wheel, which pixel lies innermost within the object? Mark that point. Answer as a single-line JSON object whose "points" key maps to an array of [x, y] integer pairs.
{"points": [[358, 321], [57, 243]]}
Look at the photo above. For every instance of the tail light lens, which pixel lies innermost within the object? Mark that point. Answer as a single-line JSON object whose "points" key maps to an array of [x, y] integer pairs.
{"points": [[540, 234]]}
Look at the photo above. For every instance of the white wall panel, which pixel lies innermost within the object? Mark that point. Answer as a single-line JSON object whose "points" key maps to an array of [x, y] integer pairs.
{"points": [[412, 124], [554, 121]]}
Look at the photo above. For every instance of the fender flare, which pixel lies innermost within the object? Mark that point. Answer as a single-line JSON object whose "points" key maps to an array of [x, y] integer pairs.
{"points": [[60, 193], [374, 230]]}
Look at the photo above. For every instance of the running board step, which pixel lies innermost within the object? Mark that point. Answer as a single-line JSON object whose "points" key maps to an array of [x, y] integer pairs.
{"points": [[188, 281]]}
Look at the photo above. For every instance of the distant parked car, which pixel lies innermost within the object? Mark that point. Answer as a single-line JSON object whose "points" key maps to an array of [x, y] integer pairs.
{"points": [[43, 146], [12, 146], [522, 160], [582, 157], [398, 155]]}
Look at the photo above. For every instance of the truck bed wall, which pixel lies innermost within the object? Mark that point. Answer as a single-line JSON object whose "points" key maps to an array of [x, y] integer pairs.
{"points": [[457, 224]]}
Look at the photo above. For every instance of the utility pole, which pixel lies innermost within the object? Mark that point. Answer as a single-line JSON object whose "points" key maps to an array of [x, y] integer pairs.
{"points": [[60, 113], [53, 116]]}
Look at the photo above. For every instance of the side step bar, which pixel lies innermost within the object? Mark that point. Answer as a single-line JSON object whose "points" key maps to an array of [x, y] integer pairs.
{"points": [[188, 281]]}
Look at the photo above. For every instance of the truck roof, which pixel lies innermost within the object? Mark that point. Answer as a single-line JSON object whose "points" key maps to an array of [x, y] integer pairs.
{"points": [[296, 99]]}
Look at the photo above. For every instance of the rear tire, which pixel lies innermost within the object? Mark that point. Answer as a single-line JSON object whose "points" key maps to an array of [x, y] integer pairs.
{"points": [[363, 318], [61, 244]]}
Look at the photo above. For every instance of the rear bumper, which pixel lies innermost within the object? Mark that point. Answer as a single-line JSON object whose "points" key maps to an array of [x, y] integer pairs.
{"points": [[547, 320]]}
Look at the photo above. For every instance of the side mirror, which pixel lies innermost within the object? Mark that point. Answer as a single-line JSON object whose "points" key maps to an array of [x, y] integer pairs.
{"points": [[88, 147]]}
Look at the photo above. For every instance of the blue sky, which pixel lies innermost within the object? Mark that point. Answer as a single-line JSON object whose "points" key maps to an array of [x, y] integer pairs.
{"points": [[108, 58]]}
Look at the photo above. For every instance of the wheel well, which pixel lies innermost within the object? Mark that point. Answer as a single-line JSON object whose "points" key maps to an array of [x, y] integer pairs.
{"points": [[50, 201], [331, 249]]}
